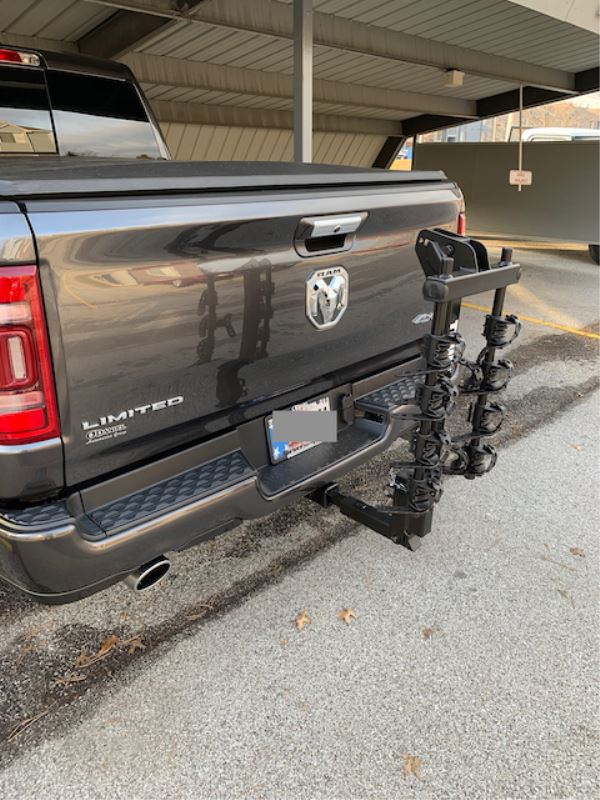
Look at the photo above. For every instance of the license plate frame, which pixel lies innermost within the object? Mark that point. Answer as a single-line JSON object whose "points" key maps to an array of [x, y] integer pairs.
{"points": [[282, 451]]}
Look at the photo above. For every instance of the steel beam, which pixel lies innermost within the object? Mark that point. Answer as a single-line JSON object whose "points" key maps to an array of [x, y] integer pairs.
{"points": [[303, 80], [588, 80], [125, 30], [387, 155], [503, 103], [37, 42], [242, 117], [120, 33], [166, 71], [275, 19]]}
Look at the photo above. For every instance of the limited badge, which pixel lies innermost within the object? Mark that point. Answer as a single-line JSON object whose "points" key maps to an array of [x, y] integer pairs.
{"points": [[326, 296]]}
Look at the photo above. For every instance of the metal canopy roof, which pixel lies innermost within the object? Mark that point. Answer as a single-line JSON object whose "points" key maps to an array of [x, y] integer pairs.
{"points": [[219, 72]]}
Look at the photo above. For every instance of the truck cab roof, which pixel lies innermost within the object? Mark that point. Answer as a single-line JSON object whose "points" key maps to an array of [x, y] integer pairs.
{"points": [[71, 62]]}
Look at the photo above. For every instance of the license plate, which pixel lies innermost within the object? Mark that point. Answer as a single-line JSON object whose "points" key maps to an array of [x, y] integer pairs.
{"points": [[280, 451]]}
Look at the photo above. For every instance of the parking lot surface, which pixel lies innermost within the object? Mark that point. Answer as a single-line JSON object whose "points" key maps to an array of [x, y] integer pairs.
{"points": [[468, 669]]}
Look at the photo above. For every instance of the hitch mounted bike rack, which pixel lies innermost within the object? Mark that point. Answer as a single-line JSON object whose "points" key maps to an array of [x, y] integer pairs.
{"points": [[455, 267]]}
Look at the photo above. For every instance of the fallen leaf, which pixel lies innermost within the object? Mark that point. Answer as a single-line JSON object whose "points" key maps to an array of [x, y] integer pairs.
{"points": [[201, 610], [107, 645], [70, 677], [83, 659], [302, 620], [577, 551], [25, 723], [283, 642], [558, 563], [135, 643], [566, 595], [577, 447], [430, 630], [347, 615], [86, 659], [412, 765]]}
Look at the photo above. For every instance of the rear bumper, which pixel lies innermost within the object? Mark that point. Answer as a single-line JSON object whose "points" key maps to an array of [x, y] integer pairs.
{"points": [[65, 550]]}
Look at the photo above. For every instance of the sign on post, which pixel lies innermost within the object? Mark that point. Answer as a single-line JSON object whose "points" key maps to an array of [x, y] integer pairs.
{"points": [[520, 177]]}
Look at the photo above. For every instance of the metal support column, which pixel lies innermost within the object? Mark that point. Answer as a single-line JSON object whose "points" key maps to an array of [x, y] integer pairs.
{"points": [[303, 80]]}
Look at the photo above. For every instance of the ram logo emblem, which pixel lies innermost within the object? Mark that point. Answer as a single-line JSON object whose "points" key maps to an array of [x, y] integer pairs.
{"points": [[326, 296]]}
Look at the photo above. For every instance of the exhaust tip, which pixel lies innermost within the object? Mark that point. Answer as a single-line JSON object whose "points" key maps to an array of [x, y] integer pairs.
{"points": [[148, 574]]}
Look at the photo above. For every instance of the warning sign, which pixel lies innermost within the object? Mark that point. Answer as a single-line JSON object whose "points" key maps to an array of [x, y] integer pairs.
{"points": [[520, 177]]}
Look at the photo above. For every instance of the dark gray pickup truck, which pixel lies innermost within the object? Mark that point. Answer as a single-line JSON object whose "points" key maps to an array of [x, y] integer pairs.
{"points": [[155, 314]]}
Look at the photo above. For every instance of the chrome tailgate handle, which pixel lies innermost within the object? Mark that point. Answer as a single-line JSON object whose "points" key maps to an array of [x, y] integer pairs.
{"points": [[314, 227], [331, 234]]}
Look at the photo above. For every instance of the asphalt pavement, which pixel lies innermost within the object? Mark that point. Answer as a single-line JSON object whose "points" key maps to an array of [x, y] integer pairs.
{"points": [[468, 669]]}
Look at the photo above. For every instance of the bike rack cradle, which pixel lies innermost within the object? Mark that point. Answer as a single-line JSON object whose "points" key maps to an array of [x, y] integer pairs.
{"points": [[455, 267]]}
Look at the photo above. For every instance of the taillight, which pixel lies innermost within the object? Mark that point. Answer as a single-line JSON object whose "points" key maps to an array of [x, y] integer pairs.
{"points": [[461, 225], [19, 57], [28, 409]]}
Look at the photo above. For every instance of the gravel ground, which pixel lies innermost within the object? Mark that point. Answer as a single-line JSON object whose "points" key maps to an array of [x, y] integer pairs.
{"points": [[473, 662]]}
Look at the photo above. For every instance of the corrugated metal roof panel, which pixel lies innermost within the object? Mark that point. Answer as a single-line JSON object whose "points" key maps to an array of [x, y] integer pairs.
{"points": [[492, 26], [243, 49], [61, 20], [189, 142], [180, 94]]}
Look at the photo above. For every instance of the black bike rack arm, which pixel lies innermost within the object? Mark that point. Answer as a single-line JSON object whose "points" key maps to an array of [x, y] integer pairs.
{"points": [[444, 289]]}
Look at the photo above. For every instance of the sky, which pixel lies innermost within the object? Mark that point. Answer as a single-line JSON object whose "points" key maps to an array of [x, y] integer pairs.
{"points": [[588, 100]]}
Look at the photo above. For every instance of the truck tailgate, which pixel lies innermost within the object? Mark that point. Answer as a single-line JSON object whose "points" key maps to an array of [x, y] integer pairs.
{"points": [[173, 317]]}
